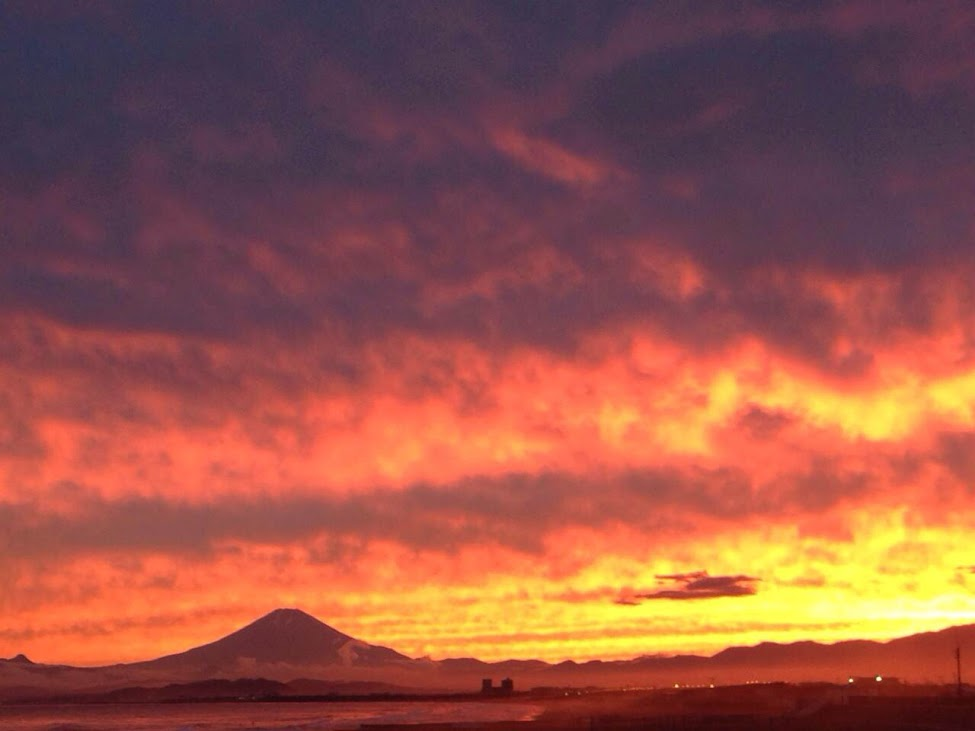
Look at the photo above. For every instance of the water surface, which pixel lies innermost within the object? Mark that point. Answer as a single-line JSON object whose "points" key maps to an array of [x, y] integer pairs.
{"points": [[252, 716]]}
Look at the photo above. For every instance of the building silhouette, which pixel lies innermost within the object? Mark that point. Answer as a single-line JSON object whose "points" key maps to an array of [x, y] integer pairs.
{"points": [[488, 687]]}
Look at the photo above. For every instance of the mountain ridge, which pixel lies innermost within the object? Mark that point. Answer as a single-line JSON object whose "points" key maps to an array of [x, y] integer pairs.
{"points": [[283, 636], [287, 644]]}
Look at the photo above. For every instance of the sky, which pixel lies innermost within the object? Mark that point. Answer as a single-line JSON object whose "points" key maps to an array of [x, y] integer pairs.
{"points": [[502, 329]]}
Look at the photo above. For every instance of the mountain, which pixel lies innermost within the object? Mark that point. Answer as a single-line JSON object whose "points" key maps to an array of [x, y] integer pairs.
{"points": [[284, 645], [927, 656], [284, 638]]}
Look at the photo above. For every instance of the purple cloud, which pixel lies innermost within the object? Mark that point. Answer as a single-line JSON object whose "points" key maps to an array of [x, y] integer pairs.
{"points": [[700, 585]]}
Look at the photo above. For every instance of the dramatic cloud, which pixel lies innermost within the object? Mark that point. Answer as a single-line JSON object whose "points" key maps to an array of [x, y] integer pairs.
{"points": [[699, 585], [507, 306]]}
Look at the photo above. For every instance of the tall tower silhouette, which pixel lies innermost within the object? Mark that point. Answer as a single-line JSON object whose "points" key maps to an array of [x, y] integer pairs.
{"points": [[958, 667]]}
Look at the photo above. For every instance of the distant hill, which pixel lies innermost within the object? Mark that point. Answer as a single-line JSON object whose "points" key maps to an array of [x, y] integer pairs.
{"points": [[239, 689], [288, 647]]}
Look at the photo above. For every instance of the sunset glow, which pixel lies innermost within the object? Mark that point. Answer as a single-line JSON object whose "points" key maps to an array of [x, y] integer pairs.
{"points": [[532, 331]]}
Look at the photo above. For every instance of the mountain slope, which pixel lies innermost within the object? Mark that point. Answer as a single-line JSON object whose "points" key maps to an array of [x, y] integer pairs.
{"points": [[285, 636]]}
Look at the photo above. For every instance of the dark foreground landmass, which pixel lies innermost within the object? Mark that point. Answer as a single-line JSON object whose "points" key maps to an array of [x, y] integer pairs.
{"points": [[859, 706], [769, 707]]}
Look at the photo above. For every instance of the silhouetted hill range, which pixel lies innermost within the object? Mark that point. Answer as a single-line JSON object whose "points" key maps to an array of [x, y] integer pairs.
{"points": [[289, 646], [239, 689]]}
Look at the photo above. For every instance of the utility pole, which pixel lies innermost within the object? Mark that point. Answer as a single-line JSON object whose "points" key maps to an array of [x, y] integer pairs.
{"points": [[958, 666]]}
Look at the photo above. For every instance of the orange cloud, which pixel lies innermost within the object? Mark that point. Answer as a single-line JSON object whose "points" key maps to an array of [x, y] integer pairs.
{"points": [[486, 328]]}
